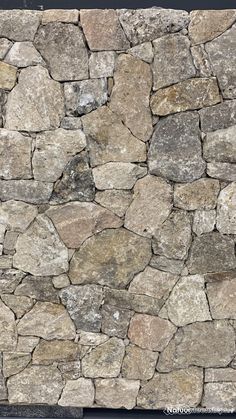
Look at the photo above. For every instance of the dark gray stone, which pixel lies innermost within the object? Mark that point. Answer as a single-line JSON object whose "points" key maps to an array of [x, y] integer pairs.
{"points": [[40, 288], [85, 96], [115, 321], [39, 411], [218, 116]]}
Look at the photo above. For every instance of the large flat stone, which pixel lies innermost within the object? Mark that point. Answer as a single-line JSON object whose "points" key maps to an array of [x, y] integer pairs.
{"points": [[219, 396], [220, 374], [40, 288], [226, 210], [23, 54], [222, 171], [116, 393], [78, 392], [219, 146], [8, 338], [31, 191], [19, 25], [200, 194], [222, 299], [60, 15], [48, 352]]}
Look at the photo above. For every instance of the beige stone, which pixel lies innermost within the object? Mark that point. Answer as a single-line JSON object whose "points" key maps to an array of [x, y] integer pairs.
{"points": [[116, 201], [8, 337], [17, 215], [60, 15], [204, 221], [60, 281], [139, 364], [92, 339], [219, 396], [78, 393], [17, 303], [200, 194], [222, 299], [117, 393], [143, 52], [48, 352], [222, 171], [19, 25], [219, 145], [226, 210], [23, 54], [101, 64], [220, 374], [15, 362], [31, 191], [117, 175], [26, 343], [5, 45], [7, 76], [5, 262]]}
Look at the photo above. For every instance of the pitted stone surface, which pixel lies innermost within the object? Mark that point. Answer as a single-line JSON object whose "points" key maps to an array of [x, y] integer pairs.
{"points": [[19, 25], [226, 210]]}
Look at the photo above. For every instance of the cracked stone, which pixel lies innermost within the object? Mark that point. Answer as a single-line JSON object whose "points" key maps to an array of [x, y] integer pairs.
{"points": [[204, 221], [30, 191], [201, 61], [48, 352], [60, 15], [23, 54], [219, 146], [167, 265], [92, 339], [226, 206], [222, 299], [201, 194], [218, 116], [38, 287], [7, 76], [219, 396], [143, 52], [18, 304], [102, 64], [117, 175], [117, 393], [116, 201], [78, 392], [85, 96], [14, 362], [19, 25], [115, 321], [8, 337], [222, 171], [17, 215], [139, 364]]}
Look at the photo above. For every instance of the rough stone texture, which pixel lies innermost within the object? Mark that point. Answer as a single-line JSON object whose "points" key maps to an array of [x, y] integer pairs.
{"points": [[219, 395], [18, 304], [9, 279], [219, 116], [40, 288], [201, 61], [101, 64], [17, 215], [180, 161], [14, 362], [116, 201], [222, 171], [204, 221], [130, 95], [8, 338], [36, 102], [48, 352], [143, 52], [117, 393], [78, 392], [26, 343], [226, 215], [222, 301], [19, 25], [167, 265], [30, 191], [60, 15], [220, 374], [139, 364], [110, 258], [117, 175], [219, 146], [7, 76], [23, 54], [85, 96], [5, 45], [15, 155], [115, 321], [201, 194]]}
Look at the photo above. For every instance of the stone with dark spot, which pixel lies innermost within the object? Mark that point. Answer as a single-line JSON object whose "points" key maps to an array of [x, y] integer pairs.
{"points": [[40, 288], [115, 321]]}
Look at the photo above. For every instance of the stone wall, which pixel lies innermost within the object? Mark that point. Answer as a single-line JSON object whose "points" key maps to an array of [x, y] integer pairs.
{"points": [[118, 208]]}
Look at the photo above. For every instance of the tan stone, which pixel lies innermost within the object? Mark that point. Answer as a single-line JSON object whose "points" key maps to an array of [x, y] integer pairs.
{"points": [[26, 343], [78, 393], [219, 396], [5, 262], [150, 207], [200, 194], [60, 281], [48, 352], [17, 215], [154, 283], [139, 364], [92, 339], [7, 76], [143, 52], [117, 393], [220, 374], [222, 171], [101, 64], [130, 95], [8, 336], [150, 332], [19, 25], [60, 15], [222, 299], [18, 304], [117, 175], [15, 362], [116, 201], [187, 95]]}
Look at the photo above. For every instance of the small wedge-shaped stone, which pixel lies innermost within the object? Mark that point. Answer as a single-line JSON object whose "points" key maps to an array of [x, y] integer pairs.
{"points": [[17, 215], [48, 321], [109, 140], [36, 103], [117, 175], [187, 95], [8, 336], [116, 201], [201, 194], [110, 258], [167, 265], [139, 364], [151, 205], [187, 302], [40, 251], [117, 393], [143, 52], [226, 210], [218, 116], [105, 360], [9, 279], [222, 299], [19, 25], [130, 95], [222, 171], [77, 221], [182, 388], [7, 76], [15, 155], [35, 385], [48, 352], [23, 54], [156, 284], [62, 46], [220, 146], [5, 45], [204, 221], [78, 393], [14, 362], [219, 396]]}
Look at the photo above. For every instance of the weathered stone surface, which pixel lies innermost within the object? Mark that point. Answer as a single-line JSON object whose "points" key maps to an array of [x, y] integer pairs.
{"points": [[5, 45], [83, 304], [150, 207], [139, 364], [201, 61], [85, 96], [17, 215], [220, 374], [5, 262], [167, 71], [220, 276], [77, 221], [187, 302], [78, 392], [110, 258], [38, 287], [7, 76], [53, 150], [205, 344], [173, 237], [26, 343], [48, 352], [101, 64], [222, 299], [77, 182], [3, 388], [167, 265], [70, 370], [187, 95], [105, 360], [182, 388], [226, 216], [60, 15], [219, 116], [219, 146], [40, 251], [19, 25], [60, 281], [10, 242], [117, 175], [18, 304], [115, 321], [23, 54], [150, 332], [143, 52], [211, 252], [204, 221], [222, 171], [130, 95], [2, 229], [116, 393], [154, 283], [36, 384], [91, 338], [201, 194], [71, 122], [30, 191], [14, 362], [62, 46], [107, 25], [116, 201], [8, 337], [143, 25], [9, 279], [47, 320], [180, 161], [223, 63], [219, 396], [36, 103]]}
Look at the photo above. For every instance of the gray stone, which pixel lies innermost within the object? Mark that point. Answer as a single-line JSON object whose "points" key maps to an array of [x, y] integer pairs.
{"points": [[5, 262], [60, 15], [220, 374], [139, 364], [78, 392], [116, 201], [222, 301], [141, 25], [8, 75], [35, 385], [226, 218], [180, 161], [26, 343], [173, 238], [30, 191], [62, 46], [36, 103], [76, 183], [83, 304], [70, 122], [2, 229], [105, 360], [85, 96], [201, 194], [181, 388], [109, 140], [223, 60], [204, 344], [10, 242], [115, 321], [117, 393], [15, 362], [117, 175], [47, 320], [60, 281], [5, 45], [219, 116], [15, 155], [17, 215], [3, 388], [8, 337], [40, 251], [19, 25], [40, 288], [70, 370], [201, 61], [219, 146], [167, 265], [18, 304], [9, 279], [166, 70], [91, 338], [222, 171], [23, 54], [220, 276], [101, 64], [219, 396], [110, 258], [204, 221], [211, 252], [48, 352], [143, 52], [53, 150], [131, 94]]}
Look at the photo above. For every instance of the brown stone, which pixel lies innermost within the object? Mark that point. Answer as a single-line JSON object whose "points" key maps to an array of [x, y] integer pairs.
{"points": [[200, 194], [48, 352], [116, 201], [18, 304], [139, 364], [7, 76]]}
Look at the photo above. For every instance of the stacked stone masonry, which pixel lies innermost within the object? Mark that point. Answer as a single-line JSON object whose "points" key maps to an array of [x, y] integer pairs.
{"points": [[118, 208]]}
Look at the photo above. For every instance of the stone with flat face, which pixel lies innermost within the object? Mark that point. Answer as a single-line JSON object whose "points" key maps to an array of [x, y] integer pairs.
{"points": [[219, 396], [226, 210], [222, 171], [3, 388], [143, 52], [116, 201], [201, 61], [62, 46], [101, 64], [5, 45], [78, 392], [204, 221], [220, 374], [15, 362], [85, 96], [48, 352], [219, 146], [36, 103], [8, 338], [218, 116], [117, 393], [117, 175], [166, 70], [222, 299], [60, 15], [110, 258], [17, 215], [9, 279], [139, 364], [107, 25], [200, 194], [31, 191], [115, 321], [177, 160], [23, 54], [151, 205], [7, 76], [19, 25], [130, 95], [39, 288], [167, 265], [17, 303]]}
